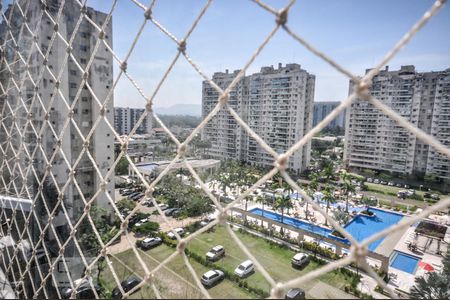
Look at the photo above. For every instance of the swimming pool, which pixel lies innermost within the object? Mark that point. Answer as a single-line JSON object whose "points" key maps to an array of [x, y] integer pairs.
{"points": [[404, 262], [360, 227], [292, 221]]}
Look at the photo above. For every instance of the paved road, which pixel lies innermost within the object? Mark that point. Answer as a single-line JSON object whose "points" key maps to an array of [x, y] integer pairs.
{"points": [[381, 196], [417, 203]]}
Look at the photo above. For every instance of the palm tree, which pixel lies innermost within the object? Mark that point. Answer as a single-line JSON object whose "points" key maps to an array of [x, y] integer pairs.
{"points": [[262, 200], [313, 186], [282, 203], [347, 188], [224, 181], [433, 286], [329, 198], [327, 171]]}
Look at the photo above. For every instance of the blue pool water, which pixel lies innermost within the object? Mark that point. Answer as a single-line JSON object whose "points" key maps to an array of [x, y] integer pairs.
{"points": [[293, 222], [360, 227], [404, 262]]}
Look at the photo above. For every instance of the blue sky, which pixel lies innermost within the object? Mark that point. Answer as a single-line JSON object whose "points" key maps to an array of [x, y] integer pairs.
{"points": [[355, 33]]}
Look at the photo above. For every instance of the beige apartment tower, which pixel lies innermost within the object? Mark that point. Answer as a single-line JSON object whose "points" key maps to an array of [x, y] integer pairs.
{"points": [[374, 141], [277, 104]]}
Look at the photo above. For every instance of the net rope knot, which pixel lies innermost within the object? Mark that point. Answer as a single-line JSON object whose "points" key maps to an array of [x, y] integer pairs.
{"points": [[19, 32], [277, 292], [282, 17]]}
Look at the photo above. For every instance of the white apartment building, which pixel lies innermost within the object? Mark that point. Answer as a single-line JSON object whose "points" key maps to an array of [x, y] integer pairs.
{"points": [[222, 131], [276, 103], [374, 141], [45, 97], [125, 119]]}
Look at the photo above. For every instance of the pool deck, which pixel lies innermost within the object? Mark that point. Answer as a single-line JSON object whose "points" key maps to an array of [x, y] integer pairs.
{"points": [[389, 243], [403, 280]]}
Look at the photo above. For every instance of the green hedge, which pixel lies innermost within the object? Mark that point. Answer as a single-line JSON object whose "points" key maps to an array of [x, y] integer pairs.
{"points": [[146, 228]]}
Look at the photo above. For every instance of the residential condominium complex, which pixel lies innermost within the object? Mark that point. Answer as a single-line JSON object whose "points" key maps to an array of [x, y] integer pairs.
{"points": [[374, 141], [125, 119], [48, 96], [277, 104], [323, 109]]}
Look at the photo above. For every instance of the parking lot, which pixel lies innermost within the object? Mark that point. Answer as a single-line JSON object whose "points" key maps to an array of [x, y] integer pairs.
{"points": [[171, 223]]}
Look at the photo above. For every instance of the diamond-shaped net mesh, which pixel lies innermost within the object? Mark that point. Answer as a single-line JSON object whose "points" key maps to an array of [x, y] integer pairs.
{"points": [[56, 107]]}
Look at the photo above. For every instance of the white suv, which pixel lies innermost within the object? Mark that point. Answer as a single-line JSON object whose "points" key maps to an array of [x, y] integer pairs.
{"points": [[300, 260], [244, 269], [211, 277], [178, 230], [215, 253]]}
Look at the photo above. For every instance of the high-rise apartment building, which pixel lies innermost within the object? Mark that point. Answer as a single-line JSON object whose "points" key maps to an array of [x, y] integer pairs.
{"points": [[43, 84], [125, 119], [323, 109], [277, 103], [374, 141]]}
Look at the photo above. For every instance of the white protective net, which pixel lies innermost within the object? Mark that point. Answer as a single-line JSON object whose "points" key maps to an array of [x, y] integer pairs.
{"points": [[38, 142]]}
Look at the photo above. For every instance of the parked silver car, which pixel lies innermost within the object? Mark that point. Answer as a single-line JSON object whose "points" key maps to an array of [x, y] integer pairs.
{"points": [[244, 269], [148, 243], [300, 260], [215, 253], [178, 230], [212, 277]]}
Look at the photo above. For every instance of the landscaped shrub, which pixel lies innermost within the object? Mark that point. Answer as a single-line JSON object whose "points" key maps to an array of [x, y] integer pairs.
{"points": [[193, 227], [125, 203], [416, 197], [319, 250], [318, 260], [146, 228]]}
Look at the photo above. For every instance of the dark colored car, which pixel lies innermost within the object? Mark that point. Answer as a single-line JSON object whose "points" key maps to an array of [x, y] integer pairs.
{"points": [[170, 211], [176, 213], [137, 197], [127, 285], [295, 294], [148, 203], [84, 291], [130, 196], [427, 195], [129, 192]]}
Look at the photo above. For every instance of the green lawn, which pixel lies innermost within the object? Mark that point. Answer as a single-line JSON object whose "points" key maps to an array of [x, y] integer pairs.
{"points": [[276, 260], [175, 281], [385, 189]]}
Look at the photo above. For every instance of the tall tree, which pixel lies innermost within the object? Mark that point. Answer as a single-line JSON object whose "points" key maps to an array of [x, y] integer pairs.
{"points": [[122, 166], [329, 198], [327, 172], [432, 286], [347, 188], [282, 203], [262, 200], [312, 188]]}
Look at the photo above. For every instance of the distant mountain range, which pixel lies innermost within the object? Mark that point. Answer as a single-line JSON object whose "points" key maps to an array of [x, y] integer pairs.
{"points": [[180, 109]]}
